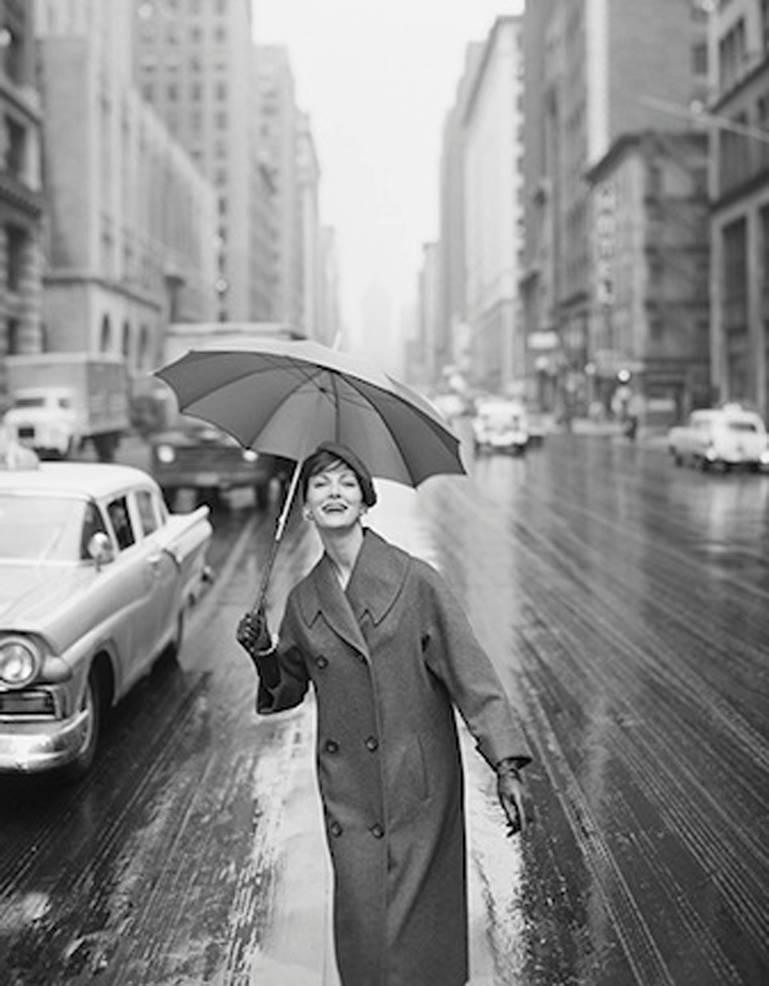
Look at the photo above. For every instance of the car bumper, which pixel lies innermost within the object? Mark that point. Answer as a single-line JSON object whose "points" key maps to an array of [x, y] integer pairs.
{"points": [[29, 748]]}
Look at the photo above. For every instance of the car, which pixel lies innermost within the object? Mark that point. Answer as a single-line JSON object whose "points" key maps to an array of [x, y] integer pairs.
{"points": [[198, 456], [500, 426], [96, 578], [726, 437]]}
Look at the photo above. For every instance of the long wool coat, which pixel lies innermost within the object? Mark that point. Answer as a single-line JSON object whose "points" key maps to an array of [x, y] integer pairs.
{"points": [[388, 658]]}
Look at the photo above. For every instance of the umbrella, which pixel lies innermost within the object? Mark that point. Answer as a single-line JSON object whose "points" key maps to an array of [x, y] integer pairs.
{"points": [[285, 397]]}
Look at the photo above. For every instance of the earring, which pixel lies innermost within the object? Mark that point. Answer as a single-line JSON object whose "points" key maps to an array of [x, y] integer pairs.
{"points": [[308, 515]]}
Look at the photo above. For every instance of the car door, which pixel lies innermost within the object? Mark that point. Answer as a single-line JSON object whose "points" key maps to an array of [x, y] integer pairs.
{"points": [[164, 576]]}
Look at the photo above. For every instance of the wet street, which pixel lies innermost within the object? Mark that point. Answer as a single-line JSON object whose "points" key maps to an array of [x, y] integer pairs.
{"points": [[625, 603]]}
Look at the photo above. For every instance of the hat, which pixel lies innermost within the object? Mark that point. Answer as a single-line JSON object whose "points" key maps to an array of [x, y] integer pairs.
{"points": [[350, 459]]}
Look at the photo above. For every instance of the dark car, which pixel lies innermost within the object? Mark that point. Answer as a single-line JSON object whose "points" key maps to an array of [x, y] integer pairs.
{"points": [[202, 458]]}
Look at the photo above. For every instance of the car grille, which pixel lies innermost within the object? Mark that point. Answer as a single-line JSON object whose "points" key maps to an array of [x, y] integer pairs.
{"points": [[32, 702]]}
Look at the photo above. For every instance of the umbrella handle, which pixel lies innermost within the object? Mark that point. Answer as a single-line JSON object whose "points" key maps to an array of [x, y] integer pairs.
{"points": [[279, 528]]}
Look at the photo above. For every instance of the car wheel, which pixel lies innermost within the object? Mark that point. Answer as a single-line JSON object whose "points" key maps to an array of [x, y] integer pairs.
{"points": [[93, 703], [172, 652], [678, 459]]}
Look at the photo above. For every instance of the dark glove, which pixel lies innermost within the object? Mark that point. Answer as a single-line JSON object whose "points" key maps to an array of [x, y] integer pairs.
{"points": [[253, 634], [512, 795]]}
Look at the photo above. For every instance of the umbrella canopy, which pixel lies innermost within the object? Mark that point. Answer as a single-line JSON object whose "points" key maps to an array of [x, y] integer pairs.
{"points": [[284, 397]]}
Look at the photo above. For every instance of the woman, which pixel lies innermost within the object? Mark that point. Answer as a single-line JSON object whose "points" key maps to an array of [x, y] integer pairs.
{"points": [[389, 653]]}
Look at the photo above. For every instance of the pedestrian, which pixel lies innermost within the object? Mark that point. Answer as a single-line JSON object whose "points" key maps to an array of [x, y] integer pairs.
{"points": [[390, 654]]}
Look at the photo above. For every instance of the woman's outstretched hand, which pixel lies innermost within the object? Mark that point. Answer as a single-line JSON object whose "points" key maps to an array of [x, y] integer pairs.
{"points": [[512, 796]]}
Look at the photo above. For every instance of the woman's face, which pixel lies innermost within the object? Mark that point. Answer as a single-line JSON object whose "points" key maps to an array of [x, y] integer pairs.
{"points": [[334, 499]]}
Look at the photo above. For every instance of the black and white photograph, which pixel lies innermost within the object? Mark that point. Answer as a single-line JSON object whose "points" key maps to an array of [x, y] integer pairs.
{"points": [[384, 493]]}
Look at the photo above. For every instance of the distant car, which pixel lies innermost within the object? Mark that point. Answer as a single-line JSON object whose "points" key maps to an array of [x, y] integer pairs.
{"points": [[95, 581], [198, 456], [728, 436], [500, 426]]}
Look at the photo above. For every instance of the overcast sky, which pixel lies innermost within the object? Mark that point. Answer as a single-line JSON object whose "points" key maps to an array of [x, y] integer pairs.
{"points": [[377, 77]]}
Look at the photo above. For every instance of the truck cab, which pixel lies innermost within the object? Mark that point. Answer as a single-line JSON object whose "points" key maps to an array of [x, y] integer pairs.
{"points": [[44, 419]]}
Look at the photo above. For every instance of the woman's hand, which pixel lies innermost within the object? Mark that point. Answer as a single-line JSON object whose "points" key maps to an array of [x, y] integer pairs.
{"points": [[512, 796], [253, 634]]}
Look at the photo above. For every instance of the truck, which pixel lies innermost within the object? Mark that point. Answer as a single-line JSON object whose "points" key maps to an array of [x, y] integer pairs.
{"points": [[60, 401], [190, 454]]}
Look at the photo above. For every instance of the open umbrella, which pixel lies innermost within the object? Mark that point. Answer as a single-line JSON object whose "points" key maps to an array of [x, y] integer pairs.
{"points": [[285, 397]]}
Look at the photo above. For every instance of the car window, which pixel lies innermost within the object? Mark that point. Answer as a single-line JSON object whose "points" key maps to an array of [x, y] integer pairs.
{"points": [[148, 513], [40, 527], [93, 523], [742, 426], [121, 522]]}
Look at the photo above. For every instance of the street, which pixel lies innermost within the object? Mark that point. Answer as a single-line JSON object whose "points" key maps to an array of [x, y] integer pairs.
{"points": [[624, 603]]}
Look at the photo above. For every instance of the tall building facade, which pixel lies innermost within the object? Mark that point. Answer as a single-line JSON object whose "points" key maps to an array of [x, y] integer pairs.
{"points": [[131, 221], [739, 116], [278, 129], [195, 67], [596, 70], [21, 199], [493, 229], [311, 269], [451, 237]]}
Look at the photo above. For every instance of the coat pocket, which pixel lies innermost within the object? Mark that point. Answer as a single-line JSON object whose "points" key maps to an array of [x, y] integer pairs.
{"points": [[409, 778]]}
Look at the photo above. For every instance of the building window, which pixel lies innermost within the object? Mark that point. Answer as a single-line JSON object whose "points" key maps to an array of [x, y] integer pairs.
{"points": [[700, 58], [16, 243], [14, 336], [13, 54], [221, 91], [15, 147], [105, 339]]}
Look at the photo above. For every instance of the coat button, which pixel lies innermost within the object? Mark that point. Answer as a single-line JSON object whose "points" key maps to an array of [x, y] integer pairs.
{"points": [[335, 829], [321, 661], [331, 746], [377, 831], [372, 743]]}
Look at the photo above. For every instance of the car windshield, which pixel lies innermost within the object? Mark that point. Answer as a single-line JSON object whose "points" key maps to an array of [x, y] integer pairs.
{"points": [[41, 528], [29, 402]]}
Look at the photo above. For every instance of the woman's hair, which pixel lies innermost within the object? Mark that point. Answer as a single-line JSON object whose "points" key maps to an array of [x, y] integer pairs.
{"points": [[327, 454]]}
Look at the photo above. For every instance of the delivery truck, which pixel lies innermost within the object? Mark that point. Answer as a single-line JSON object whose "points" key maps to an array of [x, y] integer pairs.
{"points": [[61, 401]]}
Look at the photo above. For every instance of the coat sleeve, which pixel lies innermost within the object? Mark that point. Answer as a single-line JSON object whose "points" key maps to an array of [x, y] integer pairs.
{"points": [[454, 655], [293, 678]]}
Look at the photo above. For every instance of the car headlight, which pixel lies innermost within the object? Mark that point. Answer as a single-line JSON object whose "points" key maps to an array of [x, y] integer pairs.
{"points": [[249, 455], [165, 453], [19, 662]]}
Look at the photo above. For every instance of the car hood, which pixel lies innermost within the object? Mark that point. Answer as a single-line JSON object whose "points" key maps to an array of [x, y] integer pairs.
{"points": [[31, 595]]}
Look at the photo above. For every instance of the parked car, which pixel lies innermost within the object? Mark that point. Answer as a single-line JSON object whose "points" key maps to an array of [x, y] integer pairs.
{"points": [[500, 426], [96, 577], [726, 436], [196, 455]]}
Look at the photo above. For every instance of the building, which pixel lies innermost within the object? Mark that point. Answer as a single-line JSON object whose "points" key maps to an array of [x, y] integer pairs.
{"points": [[131, 221], [195, 67], [648, 295], [429, 327], [310, 269], [451, 237], [596, 71], [21, 199], [278, 129], [493, 210], [739, 188], [330, 327]]}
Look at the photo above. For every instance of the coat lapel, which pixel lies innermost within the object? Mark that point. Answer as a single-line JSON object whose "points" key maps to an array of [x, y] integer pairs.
{"points": [[323, 596], [377, 578]]}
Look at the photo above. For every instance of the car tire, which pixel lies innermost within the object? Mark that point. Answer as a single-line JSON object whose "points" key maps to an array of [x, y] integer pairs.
{"points": [[678, 459], [174, 649], [93, 699]]}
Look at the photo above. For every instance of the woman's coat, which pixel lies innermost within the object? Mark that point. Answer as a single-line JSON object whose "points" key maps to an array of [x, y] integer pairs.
{"points": [[387, 658]]}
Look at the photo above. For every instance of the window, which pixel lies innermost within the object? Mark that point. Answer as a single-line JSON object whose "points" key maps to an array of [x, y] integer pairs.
{"points": [[93, 523], [121, 523], [148, 515], [16, 240], [15, 147]]}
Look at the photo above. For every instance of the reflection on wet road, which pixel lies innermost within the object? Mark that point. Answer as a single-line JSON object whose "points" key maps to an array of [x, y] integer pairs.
{"points": [[625, 604]]}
